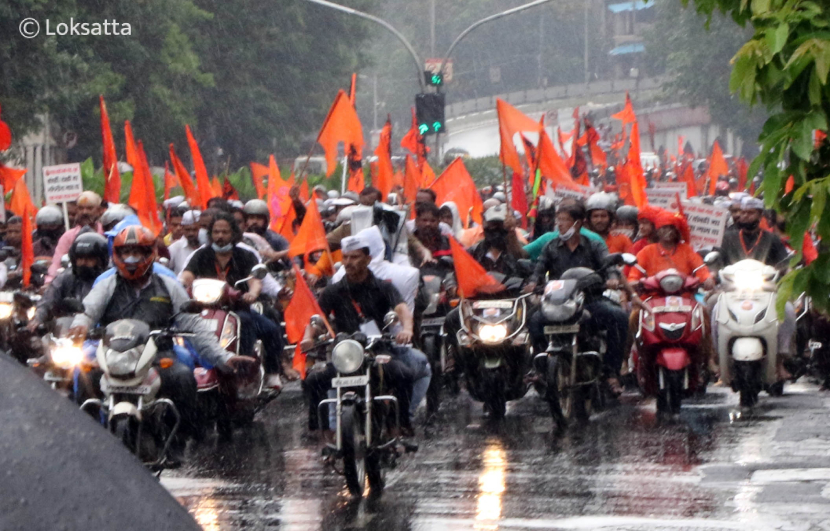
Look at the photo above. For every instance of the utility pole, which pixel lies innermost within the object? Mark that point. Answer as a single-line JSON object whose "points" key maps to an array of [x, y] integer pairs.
{"points": [[432, 28], [541, 47], [587, 72]]}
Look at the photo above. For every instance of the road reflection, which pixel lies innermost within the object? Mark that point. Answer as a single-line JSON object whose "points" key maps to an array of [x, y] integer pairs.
{"points": [[491, 486]]}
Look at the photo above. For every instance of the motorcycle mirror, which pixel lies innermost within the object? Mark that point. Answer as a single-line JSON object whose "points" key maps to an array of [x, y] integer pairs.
{"points": [[65, 261], [259, 271], [317, 322], [446, 260], [337, 266], [191, 306], [41, 267], [389, 319], [711, 258], [629, 259], [164, 261], [614, 259]]}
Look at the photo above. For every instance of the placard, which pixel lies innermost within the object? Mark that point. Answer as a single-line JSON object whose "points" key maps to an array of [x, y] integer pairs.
{"points": [[679, 188], [707, 224], [62, 183], [666, 199], [560, 192]]}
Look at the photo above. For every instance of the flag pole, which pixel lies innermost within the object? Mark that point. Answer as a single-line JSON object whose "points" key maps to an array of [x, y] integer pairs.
{"points": [[345, 174]]}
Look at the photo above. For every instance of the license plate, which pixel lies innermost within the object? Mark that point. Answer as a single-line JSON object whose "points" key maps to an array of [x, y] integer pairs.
{"points": [[350, 381], [570, 329], [435, 321], [124, 390], [477, 305]]}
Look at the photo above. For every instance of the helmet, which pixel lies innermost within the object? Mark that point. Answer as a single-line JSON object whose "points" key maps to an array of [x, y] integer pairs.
{"points": [[601, 201], [545, 204], [49, 215], [500, 196], [114, 213], [134, 236], [257, 207], [627, 213], [89, 245]]}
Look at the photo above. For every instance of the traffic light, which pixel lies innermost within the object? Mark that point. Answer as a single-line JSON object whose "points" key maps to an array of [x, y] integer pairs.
{"points": [[429, 111], [434, 79]]}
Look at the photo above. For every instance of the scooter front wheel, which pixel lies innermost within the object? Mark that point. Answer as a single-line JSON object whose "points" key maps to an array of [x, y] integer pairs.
{"points": [[671, 395], [748, 381]]}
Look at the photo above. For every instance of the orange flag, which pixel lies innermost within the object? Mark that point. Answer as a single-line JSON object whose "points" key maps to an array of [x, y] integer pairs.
{"points": [[258, 172], [688, 177], [472, 277], [183, 176], [414, 141], [21, 201], [311, 236], [456, 185], [341, 125], [635, 168], [551, 164], [112, 179], [411, 179], [215, 187], [303, 189], [427, 175], [130, 146], [170, 182], [279, 202], [717, 167], [5, 136], [384, 177], [627, 114], [512, 121], [202, 180], [143, 193], [298, 314], [9, 177]]}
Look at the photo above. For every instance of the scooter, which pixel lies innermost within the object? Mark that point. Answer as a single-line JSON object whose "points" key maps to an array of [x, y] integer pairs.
{"points": [[747, 323], [365, 412], [667, 354], [129, 354], [228, 400], [568, 372]]}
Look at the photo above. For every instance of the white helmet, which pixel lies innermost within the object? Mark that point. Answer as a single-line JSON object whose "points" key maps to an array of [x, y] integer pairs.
{"points": [[114, 213], [601, 201]]}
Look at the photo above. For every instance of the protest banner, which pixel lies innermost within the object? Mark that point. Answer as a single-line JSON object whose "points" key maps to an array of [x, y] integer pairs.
{"points": [[707, 224], [560, 192], [62, 183], [666, 199]]}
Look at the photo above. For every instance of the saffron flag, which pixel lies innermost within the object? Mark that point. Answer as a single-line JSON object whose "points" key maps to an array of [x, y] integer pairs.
{"points": [[688, 176], [456, 185], [279, 202], [414, 141], [215, 187], [5, 136], [626, 115], [341, 125], [471, 276], [143, 193], [228, 191], [10, 176], [202, 180], [21, 200], [170, 181], [258, 172], [551, 164], [183, 176], [512, 121], [385, 173], [411, 179], [298, 313], [357, 181], [311, 236], [742, 169], [112, 179], [635, 168], [518, 197], [717, 167]]}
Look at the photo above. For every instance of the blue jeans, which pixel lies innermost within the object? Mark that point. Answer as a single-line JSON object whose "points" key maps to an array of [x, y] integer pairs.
{"points": [[418, 363], [257, 326]]}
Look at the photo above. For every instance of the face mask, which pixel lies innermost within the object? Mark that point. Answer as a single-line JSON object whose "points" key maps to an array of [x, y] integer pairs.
{"points": [[86, 273], [495, 237], [222, 249], [568, 234]]}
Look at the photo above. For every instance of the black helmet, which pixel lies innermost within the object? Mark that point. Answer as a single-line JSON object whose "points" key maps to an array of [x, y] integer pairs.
{"points": [[627, 213], [49, 215], [90, 245]]}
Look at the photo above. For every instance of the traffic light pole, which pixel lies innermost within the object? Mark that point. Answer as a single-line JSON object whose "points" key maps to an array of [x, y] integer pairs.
{"points": [[419, 65]]}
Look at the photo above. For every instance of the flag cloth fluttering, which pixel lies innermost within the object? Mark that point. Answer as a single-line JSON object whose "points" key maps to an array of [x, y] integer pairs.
{"points": [[10, 176], [717, 167], [143, 192], [471, 276], [341, 125], [202, 180], [298, 314], [258, 173], [112, 178], [183, 176], [170, 181], [311, 236], [5, 135], [512, 121], [383, 180], [626, 115], [456, 185], [634, 168]]}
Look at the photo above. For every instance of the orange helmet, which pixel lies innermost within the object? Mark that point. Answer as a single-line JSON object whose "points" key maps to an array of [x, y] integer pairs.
{"points": [[134, 236]]}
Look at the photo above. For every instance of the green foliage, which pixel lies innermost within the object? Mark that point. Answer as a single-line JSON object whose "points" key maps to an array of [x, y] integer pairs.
{"points": [[784, 66], [485, 171]]}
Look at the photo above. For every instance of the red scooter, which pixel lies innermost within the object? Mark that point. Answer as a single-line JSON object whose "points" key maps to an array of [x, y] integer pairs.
{"points": [[229, 400], [667, 355]]}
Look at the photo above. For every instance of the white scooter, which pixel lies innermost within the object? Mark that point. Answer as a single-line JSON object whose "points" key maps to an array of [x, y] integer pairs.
{"points": [[747, 327]]}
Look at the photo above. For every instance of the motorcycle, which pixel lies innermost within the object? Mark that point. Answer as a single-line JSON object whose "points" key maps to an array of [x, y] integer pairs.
{"points": [[493, 346], [227, 401], [568, 372], [667, 354], [747, 323], [60, 354], [364, 411], [436, 285], [129, 354]]}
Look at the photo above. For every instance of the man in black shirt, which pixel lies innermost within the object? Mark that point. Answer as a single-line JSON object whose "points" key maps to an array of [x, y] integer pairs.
{"points": [[358, 302], [572, 249], [222, 259], [499, 251]]}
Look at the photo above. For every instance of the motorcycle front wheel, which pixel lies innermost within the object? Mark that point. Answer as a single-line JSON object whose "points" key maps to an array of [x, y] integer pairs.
{"points": [[354, 450], [669, 398], [432, 349], [748, 381], [558, 391]]}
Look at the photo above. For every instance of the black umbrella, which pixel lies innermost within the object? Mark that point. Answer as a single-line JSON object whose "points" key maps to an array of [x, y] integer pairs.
{"points": [[60, 470]]}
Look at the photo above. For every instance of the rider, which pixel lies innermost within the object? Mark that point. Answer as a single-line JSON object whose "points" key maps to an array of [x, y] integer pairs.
{"points": [[572, 249], [49, 221], [187, 244], [257, 218], [224, 260], [626, 222], [646, 231], [427, 231], [138, 293], [358, 302], [500, 250], [600, 208], [89, 257], [89, 210]]}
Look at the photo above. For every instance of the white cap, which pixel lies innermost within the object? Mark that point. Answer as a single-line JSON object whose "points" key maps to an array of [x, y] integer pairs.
{"points": [[353, 243], [738, 197], [752, 203], [496, 213], [333, 194], [191, 217], [342, 201], [173, 202]]}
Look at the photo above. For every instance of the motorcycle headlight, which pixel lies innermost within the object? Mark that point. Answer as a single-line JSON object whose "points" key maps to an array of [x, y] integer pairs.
{"points": [[30, 314], [559, 312], [208, 291], [671, 283], [749, 281], [5, 310], [65, 354], [228, 333], [492, 333], [648, 320], [347, 356], [122, 363]]}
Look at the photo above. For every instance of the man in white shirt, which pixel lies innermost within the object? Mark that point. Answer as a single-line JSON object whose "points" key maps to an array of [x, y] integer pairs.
{"points": [[182, 248]]}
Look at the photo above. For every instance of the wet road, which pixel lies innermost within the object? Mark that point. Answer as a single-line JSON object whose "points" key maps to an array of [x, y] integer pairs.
{"points": [[713, 469]]}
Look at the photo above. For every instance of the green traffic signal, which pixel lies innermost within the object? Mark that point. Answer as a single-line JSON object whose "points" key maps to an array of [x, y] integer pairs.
{"points": [[423, 129], [437, 79], [436, 126]]}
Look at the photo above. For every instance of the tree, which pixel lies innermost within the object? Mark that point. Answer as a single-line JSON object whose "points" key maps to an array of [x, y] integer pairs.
{"points": [[695, 57], [784, 66]]}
